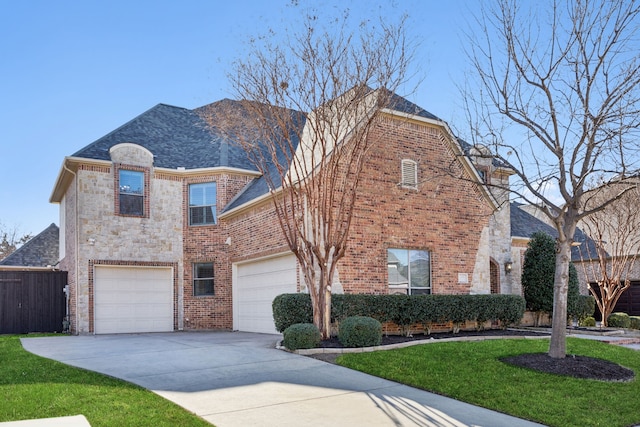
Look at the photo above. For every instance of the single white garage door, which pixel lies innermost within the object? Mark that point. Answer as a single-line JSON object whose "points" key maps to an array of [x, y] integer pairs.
{"points": [[133, 299], [255, 285]]}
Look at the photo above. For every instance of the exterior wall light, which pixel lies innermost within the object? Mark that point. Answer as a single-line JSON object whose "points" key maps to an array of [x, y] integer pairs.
{"points": [[508, 266]]}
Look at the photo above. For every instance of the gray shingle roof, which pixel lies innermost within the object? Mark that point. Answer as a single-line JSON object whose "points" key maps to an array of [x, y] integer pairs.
{"points": [[179, 137], [176, 136], [41, 251], [523, 224]]}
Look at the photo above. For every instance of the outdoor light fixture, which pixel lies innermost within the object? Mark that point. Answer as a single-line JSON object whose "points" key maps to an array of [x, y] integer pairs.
{"points": [[508, 266]]}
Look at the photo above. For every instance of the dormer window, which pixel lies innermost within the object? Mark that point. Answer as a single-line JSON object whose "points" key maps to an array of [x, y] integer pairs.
{"points": [[409, 173]]}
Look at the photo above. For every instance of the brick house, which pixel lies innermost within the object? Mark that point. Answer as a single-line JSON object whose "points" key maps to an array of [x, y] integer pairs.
{"points": [[165, 225]]}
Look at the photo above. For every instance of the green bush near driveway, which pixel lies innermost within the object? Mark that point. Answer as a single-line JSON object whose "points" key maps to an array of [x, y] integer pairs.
{"points": [[618, 320], [360, 331], [301, 336], [403, 310]]}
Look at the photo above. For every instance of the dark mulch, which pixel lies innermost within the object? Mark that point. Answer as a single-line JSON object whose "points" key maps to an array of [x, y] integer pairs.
{"points": [[572, 366]]}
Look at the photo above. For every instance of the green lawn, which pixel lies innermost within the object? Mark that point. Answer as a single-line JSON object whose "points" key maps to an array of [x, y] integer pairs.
{"points": [[472, 372], [34, 387]]}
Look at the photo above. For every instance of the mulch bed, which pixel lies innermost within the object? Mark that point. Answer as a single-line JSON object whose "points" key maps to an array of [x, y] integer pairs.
{"points": [[572, 365]]}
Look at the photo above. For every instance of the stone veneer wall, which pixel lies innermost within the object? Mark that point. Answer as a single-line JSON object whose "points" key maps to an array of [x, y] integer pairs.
{"points": [[105, 237]]}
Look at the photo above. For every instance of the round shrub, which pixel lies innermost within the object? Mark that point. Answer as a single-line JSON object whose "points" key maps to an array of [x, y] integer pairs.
{"points": [[618, 320], [360, 331], [634, 322], [587, 322], [300, 336]]}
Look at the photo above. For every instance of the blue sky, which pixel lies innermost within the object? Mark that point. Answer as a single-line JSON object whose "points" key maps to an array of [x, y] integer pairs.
{"points": [[72, 71]]}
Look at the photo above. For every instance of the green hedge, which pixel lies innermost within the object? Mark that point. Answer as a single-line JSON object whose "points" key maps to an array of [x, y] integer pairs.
{"points": [[584, 307], [301, 336], [360, 331], [619, 320], [634, 322], [404, 310]]}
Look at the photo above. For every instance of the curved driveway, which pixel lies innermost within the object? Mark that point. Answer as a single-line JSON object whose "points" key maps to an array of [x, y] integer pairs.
{"points": [[240, 379]]}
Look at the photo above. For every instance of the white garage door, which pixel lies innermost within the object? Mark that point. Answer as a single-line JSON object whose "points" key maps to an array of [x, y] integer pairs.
{"points": [[133, 299], [255, 285]]}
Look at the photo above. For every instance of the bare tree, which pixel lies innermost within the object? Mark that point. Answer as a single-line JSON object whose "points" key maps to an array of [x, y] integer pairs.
{"points": [[10, 240], [615, 231], [307, 108], [557, 98]]}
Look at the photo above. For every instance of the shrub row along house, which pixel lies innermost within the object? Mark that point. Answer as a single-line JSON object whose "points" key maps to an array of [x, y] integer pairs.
{"points": [[165, 225]]}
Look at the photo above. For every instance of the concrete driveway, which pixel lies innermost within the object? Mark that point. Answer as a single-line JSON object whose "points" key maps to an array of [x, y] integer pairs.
{"points": [[240, 379]]}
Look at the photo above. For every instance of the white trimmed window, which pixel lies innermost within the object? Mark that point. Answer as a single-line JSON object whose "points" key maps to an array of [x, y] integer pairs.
{"points": [[203, 279], [409, 173], [202, 204]]}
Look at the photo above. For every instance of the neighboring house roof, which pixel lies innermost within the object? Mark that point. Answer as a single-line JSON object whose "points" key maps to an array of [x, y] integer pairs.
{"points": [[524, 225], [40, 251]]}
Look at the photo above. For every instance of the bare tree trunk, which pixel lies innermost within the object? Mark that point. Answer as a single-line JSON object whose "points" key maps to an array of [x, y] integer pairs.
{"points": [[558, 345]]}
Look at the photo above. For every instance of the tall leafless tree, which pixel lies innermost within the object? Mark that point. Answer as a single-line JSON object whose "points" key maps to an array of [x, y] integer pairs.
{"points": [[308, 105], [615, 231], [555, 92]]}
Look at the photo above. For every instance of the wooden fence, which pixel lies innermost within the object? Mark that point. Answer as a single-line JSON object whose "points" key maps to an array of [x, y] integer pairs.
{"points": [[32, 301]]}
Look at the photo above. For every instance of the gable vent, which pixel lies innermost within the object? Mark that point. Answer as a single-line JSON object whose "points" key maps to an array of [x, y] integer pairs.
{"points": [[409, 170]]}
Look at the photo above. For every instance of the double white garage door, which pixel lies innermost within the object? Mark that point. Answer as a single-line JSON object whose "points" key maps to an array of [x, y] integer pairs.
{"points": [[140, 299], [133, 299]]}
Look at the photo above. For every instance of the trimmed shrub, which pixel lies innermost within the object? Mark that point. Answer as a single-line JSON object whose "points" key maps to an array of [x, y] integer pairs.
{"points": [[618, 320], [634, 322], [585, 307], [587, 322], [289, 309], [360, 331], [301, 336], [404, 310]]}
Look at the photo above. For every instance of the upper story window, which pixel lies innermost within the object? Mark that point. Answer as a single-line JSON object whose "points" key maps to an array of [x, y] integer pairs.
{"points": [[409, 271], [409, 173], [131, 192], [202, 204]]}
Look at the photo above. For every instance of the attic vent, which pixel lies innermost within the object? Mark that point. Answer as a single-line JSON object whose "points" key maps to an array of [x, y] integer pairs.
{"points": [[409, 171]]}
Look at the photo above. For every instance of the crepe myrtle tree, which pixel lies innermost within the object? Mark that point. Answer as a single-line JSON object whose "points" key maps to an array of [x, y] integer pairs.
{"points": [[554, 91], [307, 106], [609, 262]]}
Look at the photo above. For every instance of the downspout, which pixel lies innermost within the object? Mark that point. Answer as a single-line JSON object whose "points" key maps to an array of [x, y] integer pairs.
{"points": [[77, 245]]}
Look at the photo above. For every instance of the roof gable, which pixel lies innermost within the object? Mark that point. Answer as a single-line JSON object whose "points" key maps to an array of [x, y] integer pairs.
{"points": [[40, 251]]}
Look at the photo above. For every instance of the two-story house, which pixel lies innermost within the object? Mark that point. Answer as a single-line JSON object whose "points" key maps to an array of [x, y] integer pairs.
{"points": [[165, 225]]}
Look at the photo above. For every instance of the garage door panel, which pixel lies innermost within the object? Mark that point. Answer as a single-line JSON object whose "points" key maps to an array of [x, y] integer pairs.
{"points": [[257, 284], [133, 299]]}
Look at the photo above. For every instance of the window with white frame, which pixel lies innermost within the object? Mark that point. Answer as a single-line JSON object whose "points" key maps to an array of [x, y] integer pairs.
{"points": [[131, 192], [409, 271], [203, 279], [202, 204], [408, 173]]}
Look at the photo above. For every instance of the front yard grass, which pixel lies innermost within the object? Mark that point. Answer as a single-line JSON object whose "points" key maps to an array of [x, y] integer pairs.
{"points": [[472, 372], [35, 387]]}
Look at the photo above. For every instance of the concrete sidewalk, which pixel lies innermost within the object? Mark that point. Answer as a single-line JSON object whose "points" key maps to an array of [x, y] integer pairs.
{"points": [[240, 379]]}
